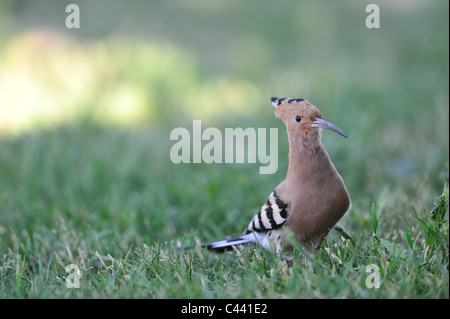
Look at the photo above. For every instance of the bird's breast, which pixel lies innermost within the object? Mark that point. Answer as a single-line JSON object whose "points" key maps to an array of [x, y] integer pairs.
{"points": [[319, 197]]}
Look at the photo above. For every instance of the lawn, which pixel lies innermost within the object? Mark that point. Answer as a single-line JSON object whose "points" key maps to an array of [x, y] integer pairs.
{"points": [[86, 177]]}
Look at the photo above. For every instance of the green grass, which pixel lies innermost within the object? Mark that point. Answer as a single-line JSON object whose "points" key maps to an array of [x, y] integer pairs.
{"points": [[105, 207], [85, 173]]}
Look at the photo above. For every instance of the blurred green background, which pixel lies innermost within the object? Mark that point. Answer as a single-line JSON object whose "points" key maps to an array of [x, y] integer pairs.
{"points": [[86, 114]]}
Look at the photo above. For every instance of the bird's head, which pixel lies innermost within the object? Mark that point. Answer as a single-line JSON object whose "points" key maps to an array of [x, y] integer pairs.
{"points": [[301, 117]]}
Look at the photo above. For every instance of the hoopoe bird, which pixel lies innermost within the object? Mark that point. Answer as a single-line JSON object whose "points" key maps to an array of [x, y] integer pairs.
{"points": [[312, 197]]}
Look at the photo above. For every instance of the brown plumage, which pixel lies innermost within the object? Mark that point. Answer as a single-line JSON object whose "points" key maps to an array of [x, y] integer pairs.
{"points": [[312, 197]]}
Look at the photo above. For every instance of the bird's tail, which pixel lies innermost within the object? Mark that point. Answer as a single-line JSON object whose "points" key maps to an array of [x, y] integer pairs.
{"points": [[227, 244]]}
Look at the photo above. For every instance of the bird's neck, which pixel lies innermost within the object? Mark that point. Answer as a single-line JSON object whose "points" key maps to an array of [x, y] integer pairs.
{"points": [[306, 153]]}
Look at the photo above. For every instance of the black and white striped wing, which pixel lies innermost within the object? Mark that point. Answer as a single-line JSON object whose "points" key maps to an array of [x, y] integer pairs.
{"points": [[272, 215], [264, 228]]}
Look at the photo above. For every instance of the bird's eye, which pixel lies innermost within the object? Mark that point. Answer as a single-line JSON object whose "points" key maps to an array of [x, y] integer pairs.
{"points": [[298, 118]]}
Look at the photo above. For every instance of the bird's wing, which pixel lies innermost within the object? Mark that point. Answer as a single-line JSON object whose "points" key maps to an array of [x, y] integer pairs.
{"points": [[272, 215]]}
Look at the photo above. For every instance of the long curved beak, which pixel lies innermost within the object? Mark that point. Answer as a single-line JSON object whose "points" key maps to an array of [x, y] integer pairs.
{"points": [[324, 124]]}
